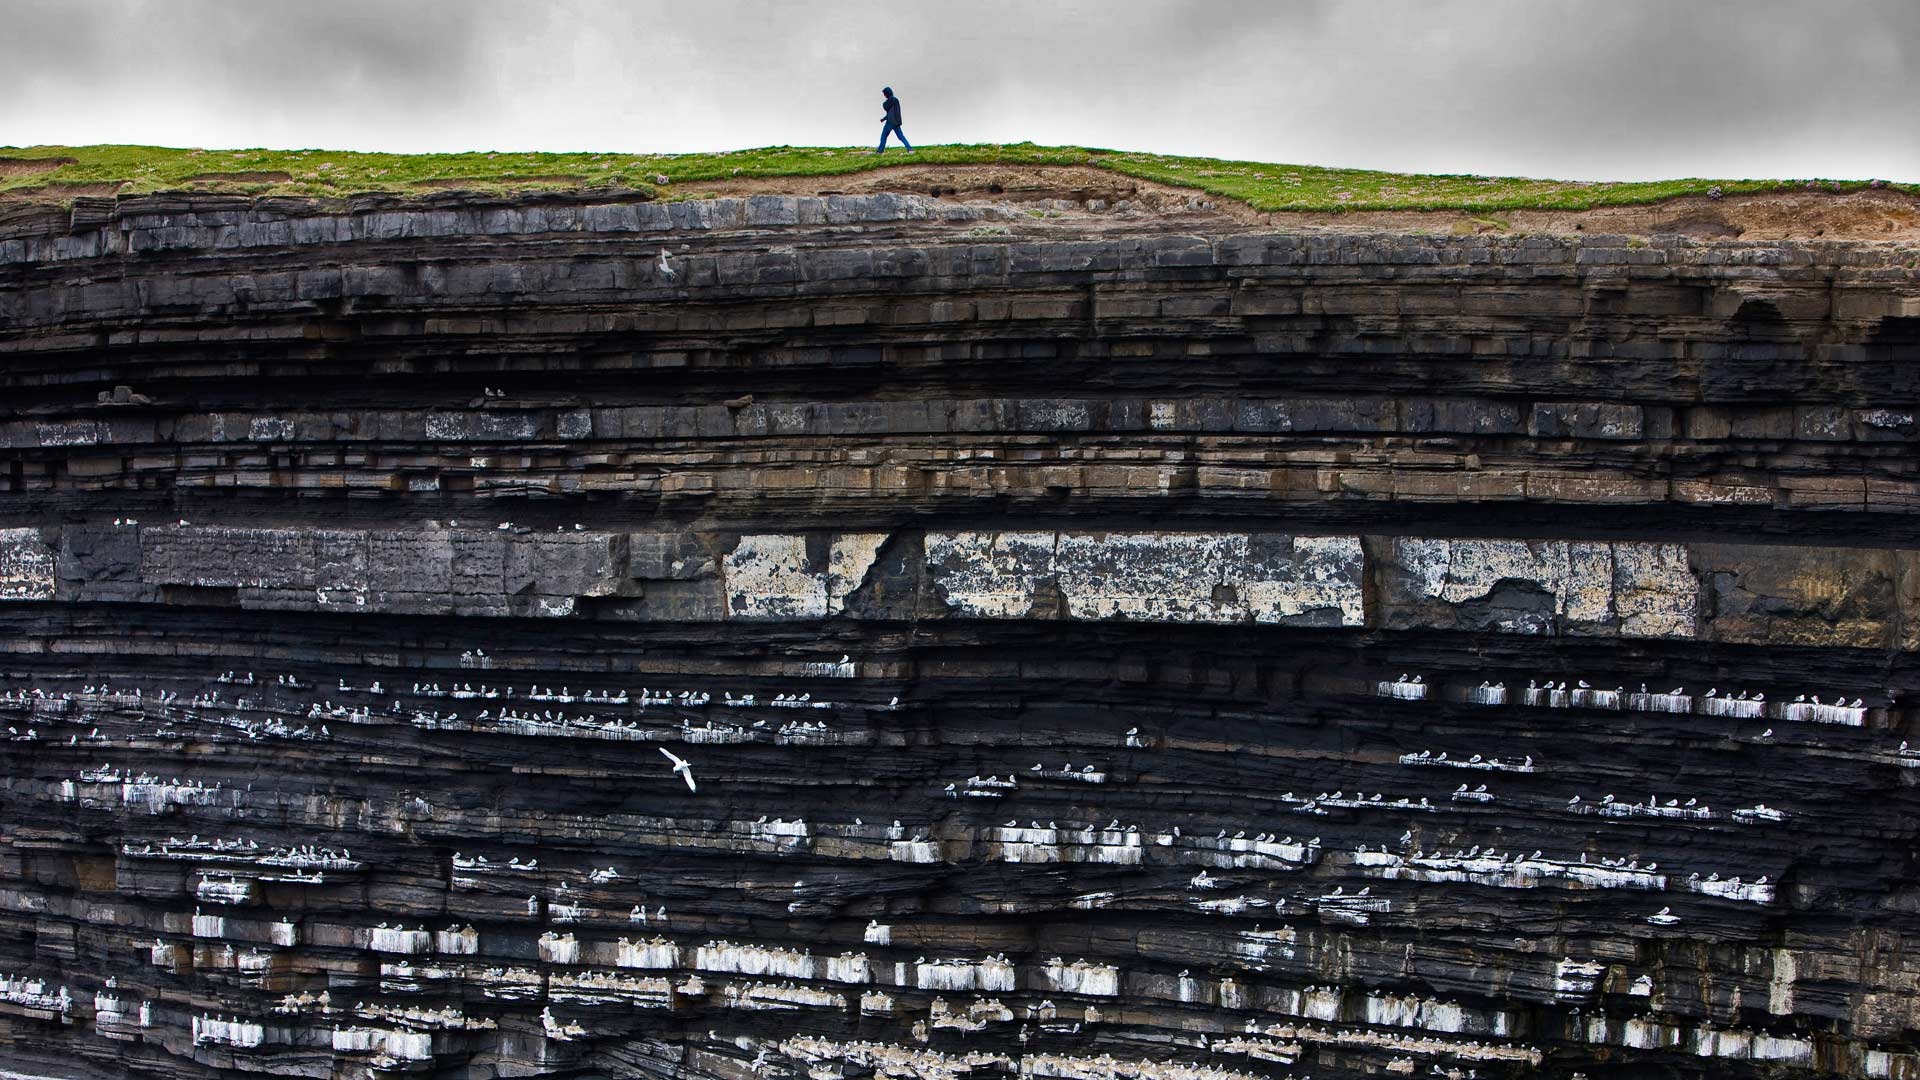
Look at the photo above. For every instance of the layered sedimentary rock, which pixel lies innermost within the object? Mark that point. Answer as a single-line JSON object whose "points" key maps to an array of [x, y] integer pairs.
{"points": [[826, 636]]}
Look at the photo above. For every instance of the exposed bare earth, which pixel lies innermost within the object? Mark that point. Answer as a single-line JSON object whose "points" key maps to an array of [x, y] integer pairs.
{"points": [[58, 191], [1862, 215], [1865, 215], [11, 166], [1002, 183]]}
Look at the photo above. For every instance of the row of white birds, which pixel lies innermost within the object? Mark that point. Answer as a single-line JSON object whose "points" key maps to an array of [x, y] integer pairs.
{"points": [[1359, 800], [1691, 809], [328, 709], [1472, 761], [639, 915], [467, 690], [297, 856], [803, 957], [1744, 704], [509, 721], [1474, 854], [1486, 864], [648, 697]]}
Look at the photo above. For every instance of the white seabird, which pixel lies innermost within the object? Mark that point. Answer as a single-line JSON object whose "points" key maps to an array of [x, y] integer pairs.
{"points": [[680, 766]]}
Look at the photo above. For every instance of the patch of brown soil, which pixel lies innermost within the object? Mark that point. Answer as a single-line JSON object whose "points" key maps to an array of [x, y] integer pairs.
{"points": [[455, 183], [11, 167], [1798, 215], [1795, 215], [63, 191], [240, 177], [1787, 215], [1014, 184]]}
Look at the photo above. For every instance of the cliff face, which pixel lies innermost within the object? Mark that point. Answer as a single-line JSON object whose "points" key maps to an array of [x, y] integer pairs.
{"points": [[1100, 648]]}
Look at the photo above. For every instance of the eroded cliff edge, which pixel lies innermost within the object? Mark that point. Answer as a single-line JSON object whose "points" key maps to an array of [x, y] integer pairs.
{"points": [[1104, 648]]}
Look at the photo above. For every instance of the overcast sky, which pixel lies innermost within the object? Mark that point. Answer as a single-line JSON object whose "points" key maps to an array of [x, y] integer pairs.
{"points": [[1585, 89]]}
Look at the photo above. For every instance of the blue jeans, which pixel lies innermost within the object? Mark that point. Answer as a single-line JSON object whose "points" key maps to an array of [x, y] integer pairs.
{"points": [[895, 129]]}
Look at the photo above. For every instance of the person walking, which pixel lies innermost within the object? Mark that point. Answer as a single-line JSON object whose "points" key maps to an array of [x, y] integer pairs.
{"points": [[891, 121]]}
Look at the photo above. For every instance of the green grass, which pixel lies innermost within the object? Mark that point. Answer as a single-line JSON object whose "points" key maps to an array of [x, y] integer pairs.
{"points": [[1263, 186]]}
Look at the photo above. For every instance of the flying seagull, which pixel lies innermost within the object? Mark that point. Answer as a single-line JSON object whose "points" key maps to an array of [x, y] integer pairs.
{"points": [[680, 766]]}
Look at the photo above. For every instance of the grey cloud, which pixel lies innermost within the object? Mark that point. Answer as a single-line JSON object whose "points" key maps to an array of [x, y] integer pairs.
{"points": [[1575, 88]]}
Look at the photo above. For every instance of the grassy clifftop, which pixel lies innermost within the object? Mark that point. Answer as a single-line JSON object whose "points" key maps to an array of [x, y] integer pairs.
{"points": [[56, 173]]}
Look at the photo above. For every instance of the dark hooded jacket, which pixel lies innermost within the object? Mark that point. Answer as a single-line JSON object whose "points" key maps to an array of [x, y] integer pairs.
{"points": [[892, 105]]}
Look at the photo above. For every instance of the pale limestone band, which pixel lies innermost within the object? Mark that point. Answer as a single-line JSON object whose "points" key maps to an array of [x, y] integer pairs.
{"points": [[1617, 588]]}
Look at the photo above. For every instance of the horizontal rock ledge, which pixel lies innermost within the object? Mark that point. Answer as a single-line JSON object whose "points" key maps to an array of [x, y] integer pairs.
{"points": [[1855, 597]]}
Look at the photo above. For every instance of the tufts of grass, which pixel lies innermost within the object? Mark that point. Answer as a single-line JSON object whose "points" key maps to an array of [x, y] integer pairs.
{"points": [[1263, 186]]}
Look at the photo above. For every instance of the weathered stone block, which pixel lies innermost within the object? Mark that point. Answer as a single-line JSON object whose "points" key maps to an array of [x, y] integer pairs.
{"points": [[796, 576], [1462, 415], [478, 564], [483, 426], [664, 556], [1907, 591], [26, 565], [340, 559], [1050, 414], [702, 600], [1585, 420], [1776, 595], [1655, 594], [987, 575], [1885, 425], [220, 557], [94, 557], [1153, 577], [410, 562], [564, 564], [1537, 587]]}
